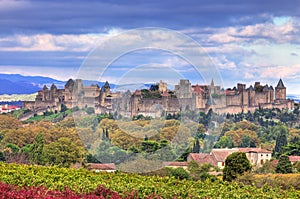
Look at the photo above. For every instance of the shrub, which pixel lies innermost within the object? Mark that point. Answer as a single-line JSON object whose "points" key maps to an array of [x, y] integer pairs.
{"points": [[284, 165], [179, 173], [235, 164]]}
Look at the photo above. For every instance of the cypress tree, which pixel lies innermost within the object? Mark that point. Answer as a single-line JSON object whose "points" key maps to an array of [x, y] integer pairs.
{"points": [[36, 150], [284, 165], [196, 148], [281, 140]]}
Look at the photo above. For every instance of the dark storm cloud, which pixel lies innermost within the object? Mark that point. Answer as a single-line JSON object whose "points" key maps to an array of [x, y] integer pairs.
{"points": [[67, 17]]}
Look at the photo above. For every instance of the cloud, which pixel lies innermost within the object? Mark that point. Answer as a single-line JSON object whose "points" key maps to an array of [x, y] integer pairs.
{"points": [[287, 32], [288, 72], [49, 42], [78, 17], [12, 5], [222, 62]]}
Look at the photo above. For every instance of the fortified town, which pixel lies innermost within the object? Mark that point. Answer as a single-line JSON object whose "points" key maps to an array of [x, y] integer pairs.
{"points": [[158, 100]]}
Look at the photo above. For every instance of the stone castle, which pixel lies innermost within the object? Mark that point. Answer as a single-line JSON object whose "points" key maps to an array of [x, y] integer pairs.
{"points": [[159, 100]]}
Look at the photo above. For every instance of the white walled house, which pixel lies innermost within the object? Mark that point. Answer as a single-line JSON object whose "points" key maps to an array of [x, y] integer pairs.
{"points": [[217, 157]]}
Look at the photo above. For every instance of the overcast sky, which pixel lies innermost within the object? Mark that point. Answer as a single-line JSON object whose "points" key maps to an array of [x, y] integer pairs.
{"points": [[247, 41]]}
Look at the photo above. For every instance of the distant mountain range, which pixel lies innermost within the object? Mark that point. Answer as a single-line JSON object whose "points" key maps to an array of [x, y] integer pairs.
{"points": [[18, 84], [296, 98]]}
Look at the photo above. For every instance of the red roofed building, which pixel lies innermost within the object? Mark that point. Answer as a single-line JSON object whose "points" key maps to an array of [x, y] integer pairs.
{"points": [[137, 92], [217, 157], [197, 89], [202, 158], [8, 108], [97, 167], [294, 159]]}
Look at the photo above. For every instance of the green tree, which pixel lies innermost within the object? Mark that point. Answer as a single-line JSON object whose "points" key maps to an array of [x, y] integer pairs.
{"points": [[108, 153], [284, 165], [36, 150], [149, 146], [196, 147], [63, 152], [235, 164], [90, 110], [179, 173], [224, 142], [201, 172], [281, 140], [2, 158], [14, 148], [247, 141], [292, 149], [63, 108], [267, 167], [90, 158]]}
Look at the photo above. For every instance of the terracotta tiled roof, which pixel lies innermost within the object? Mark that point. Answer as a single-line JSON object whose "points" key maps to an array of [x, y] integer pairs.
{"points": [[274, 162], [203, 158], [221, 154], [294, 158], [256, 150], [176, 164], [291, 158], [103, 167], [137, 92], [198, 89]]}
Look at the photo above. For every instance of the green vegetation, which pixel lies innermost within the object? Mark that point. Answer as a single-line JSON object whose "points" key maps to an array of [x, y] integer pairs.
{"points": [[55, 138], [165, 187], [50, 116], [235, 164], [155, 94], [284, 165]]}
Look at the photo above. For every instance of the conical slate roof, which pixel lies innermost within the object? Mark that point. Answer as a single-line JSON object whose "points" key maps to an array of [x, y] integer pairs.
{"points": [[251, 88], [105, 87], [280, 84], [266, 88], [53, 87], [70, 82], [210, 101]]}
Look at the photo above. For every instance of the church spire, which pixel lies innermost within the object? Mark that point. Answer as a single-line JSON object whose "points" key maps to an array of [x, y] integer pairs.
{"points": [[212, 82]]}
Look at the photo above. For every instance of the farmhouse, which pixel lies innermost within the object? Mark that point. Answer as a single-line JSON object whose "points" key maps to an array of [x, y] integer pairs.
{"points": [[217, 157]]}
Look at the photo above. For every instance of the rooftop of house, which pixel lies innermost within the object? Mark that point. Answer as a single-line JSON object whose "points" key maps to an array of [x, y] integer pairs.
{"points": [[253, 150], [176, 164], [203, 158], [103, 167], [294, 158], [221, 154]]}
